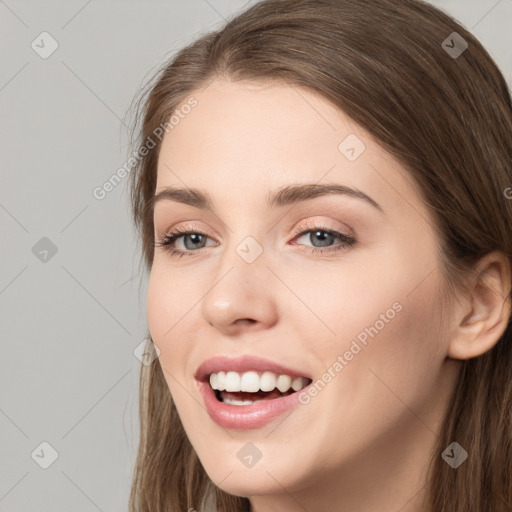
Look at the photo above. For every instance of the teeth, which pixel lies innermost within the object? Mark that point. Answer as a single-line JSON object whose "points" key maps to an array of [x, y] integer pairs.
{"points": [[240, 402], [284, 383], [252, 382], [232, 381], [298, 383], [221, 381], [267, 381]]}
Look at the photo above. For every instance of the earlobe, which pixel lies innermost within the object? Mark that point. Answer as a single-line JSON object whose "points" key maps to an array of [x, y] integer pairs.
{"points": [[486, 312]]}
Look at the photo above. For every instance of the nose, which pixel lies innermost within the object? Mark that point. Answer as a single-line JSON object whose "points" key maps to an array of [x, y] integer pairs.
{"points": [[240, 297]]}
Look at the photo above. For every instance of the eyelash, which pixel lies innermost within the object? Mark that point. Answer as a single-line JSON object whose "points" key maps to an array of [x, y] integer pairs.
{"points": [[169, 238]]}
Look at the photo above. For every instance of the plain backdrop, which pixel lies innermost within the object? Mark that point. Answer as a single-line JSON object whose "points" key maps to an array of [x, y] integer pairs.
{"points": [[72, 300]]}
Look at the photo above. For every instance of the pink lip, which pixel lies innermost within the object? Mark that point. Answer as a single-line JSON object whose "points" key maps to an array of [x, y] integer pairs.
{"points": [[244, 416], [244, 364]]}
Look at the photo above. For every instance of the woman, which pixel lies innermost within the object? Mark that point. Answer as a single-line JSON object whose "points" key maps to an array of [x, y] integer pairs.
{"points": [[324, 206]]}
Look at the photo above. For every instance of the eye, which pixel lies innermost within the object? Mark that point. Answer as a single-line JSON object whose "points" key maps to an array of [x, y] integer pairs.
{"points": [[194, 240], [323, 236]]}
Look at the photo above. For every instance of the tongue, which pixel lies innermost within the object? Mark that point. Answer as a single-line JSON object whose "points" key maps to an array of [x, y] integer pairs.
{"points": [[259, 395]]}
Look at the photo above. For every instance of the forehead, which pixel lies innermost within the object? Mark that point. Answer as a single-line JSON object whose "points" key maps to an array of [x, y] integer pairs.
{"points": [[251, 138], [273, 102], [234, 117]]}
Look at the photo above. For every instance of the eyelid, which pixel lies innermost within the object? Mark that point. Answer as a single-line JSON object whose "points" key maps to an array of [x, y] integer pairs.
{"points": [[348, 241], [317, 223], [310, 223], [187, 226]]}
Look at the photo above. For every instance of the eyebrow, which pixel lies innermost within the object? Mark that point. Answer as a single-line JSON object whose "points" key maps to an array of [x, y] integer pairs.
{"points": [[287, 195]]}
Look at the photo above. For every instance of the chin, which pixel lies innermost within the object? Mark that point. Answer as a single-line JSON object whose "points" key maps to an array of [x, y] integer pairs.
{"points": [[267, 476]]}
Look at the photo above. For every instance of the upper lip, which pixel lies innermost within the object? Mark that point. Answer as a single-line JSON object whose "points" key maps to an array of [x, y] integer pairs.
{"points": [[242, 364]]}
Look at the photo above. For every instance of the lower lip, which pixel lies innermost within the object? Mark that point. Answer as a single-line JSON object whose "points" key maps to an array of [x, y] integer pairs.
{"points": [[245, 416]]}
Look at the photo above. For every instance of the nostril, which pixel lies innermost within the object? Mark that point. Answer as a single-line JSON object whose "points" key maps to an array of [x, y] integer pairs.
{"points": [[246, 321]]}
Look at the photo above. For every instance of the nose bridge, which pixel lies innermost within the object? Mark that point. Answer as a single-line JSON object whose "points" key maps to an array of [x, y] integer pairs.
{"points": [[238, 290], [245, 241]]}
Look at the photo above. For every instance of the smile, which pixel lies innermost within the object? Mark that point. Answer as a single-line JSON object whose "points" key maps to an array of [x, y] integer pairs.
{"points": [[251, 387], [248, 392]]}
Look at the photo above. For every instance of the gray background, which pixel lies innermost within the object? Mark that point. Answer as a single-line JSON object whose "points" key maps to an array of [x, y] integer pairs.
{"points": [[70, 321]]}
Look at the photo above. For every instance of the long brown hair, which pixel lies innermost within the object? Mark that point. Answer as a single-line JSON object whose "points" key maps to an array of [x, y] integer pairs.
{"points": [[447, 117]]}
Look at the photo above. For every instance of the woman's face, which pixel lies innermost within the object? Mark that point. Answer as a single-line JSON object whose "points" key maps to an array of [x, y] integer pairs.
{"points": [[359, 316]]}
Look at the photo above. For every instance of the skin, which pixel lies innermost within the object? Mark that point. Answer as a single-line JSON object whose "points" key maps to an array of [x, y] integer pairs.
{"points": [[364, 442]]}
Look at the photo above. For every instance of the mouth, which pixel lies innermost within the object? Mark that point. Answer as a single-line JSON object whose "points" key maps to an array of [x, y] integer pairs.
{"points": [[240, 389], [247, 392]]}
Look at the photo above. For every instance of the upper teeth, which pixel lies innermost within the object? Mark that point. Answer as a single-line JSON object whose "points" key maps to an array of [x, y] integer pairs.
{"points": [[253, 382]]}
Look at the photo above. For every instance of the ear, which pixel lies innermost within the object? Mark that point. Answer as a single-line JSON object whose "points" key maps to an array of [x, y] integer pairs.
{"points": [[482, 316]]}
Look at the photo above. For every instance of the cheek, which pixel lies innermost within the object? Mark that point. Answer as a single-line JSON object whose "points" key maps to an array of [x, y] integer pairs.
{"points": [[395, 355], [168, 311], [391, 295], [388, 382], [158, 307], [385, 318]]}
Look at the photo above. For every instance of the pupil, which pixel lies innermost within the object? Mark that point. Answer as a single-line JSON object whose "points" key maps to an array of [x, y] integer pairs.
{"points": [[327, 236], [195, 236]]}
